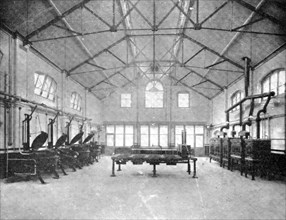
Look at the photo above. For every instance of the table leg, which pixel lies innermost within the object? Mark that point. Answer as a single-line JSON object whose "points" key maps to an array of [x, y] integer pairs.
{"points": [[113, 165], [154, 170], [195, 169], [119, 167]]}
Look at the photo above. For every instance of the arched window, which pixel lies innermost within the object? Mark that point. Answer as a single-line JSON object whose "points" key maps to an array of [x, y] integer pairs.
{"points": [[45, 86], [235, 98], [275, 81], [76, 101], [154, 95]]}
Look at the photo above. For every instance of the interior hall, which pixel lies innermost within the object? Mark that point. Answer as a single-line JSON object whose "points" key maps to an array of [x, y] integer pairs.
{"points": [[142, 109]]}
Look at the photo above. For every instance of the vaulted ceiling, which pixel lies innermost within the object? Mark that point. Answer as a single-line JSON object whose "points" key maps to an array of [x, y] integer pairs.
{"points": [[106, 45]]}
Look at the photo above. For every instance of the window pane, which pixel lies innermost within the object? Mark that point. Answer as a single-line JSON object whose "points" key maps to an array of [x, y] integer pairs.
{"points": [[45, 94], [190, 129], [110, 140], [190, 140], [154, 140], [144, 129], [178, 129], [183, 100], [37, 91], [47, 84], [119, 129], [281, 83], [36, 75], [40, 81], [144, 134], [126, 100], [109, 129], [128, 140], [199, 141], [265, 85], [154, 95], [163, 129], [154, 130], [164, 140], [144, 140], [128, 129], [178, 139], [273, 83], [51, 97], [199, 129], [119, 140]]}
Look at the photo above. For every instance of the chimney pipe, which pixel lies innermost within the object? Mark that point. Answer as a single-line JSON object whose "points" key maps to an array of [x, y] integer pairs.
{"points": [[246, 74]]}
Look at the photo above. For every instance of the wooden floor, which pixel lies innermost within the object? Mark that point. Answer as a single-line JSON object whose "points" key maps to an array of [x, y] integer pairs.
{"points": [[91, 193]]}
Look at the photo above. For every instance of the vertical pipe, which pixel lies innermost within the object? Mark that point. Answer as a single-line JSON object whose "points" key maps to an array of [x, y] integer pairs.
{"points": [[68, 133], [246, 74], [184, 137]]}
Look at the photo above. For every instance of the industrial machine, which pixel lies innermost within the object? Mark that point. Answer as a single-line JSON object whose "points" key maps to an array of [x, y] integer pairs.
{"points": [[32, 160]]}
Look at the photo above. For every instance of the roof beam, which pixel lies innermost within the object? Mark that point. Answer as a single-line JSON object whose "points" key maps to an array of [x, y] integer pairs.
{"points": [[97, 16], [214, 64], [233, 39], [116, 57], [271, 55], [97, 54], [56, 19], [213, 51], [184, 77], [140, 13], [203, 77], [260, 12], [189, 87], [213, 13], [247, 24], [183, 12], [125, 15], [166, 16], [192, 57]]}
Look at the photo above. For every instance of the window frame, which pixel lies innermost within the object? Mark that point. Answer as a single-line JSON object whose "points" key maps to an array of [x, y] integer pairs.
{"points": [[147, 92], [129, 99], [160, 135], [178, 100], [113, 134], [268, 78], [76, 102], [233, 96], [42, 88]]}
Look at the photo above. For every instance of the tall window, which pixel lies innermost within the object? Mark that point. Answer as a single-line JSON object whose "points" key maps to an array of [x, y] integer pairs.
{"points": [[154, 135], [45, 86], [75, 101], [235, 98], [195, 135], [154, 95], [275, 81], [120, 135], [183, 100], [125, 100]]}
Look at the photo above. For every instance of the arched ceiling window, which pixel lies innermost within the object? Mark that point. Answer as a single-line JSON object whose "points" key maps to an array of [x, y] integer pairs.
{"points": [[154, 94], [45, 86]]}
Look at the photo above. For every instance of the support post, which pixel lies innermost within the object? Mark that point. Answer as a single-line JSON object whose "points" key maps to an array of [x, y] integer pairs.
{"points": [[119, 167], [113, 164], [195, 169], [154, 170]]}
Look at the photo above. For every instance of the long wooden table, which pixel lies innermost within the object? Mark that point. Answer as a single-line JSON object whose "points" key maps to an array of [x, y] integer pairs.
{"points": [[153, 156]]}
